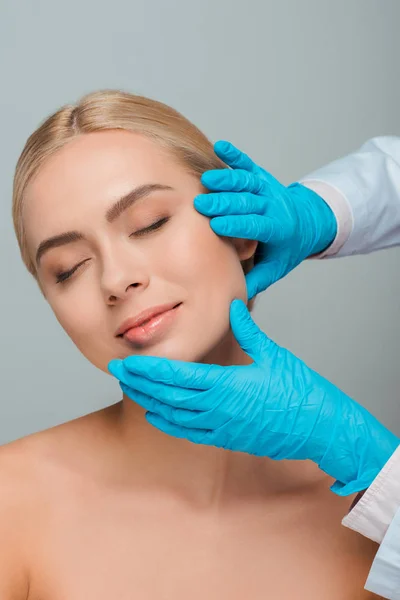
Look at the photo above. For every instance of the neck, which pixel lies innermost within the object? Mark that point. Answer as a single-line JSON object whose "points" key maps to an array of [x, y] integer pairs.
{"points": [[201, 475]]}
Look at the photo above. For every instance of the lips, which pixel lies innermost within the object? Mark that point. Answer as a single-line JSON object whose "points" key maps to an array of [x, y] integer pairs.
{"points": [[147, 324]]}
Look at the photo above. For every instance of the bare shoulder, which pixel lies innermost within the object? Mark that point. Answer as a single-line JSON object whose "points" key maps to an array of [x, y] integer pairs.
{"points": [[34, 471], [17, 501]]}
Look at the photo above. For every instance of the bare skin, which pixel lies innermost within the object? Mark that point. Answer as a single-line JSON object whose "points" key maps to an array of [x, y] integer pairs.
{"points": [[89, 513], [107, 506]]}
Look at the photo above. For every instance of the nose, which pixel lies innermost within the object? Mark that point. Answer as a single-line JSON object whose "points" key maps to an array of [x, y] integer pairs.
{"points": [[122, 273]]}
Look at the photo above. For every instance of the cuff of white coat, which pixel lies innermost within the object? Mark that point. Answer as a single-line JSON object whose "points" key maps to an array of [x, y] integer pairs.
{"points": [[340, 208], [384, 576], [375, 510]]}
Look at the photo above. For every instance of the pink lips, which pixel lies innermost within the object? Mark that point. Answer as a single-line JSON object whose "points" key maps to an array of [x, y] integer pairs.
{"points": [[149, 325]]}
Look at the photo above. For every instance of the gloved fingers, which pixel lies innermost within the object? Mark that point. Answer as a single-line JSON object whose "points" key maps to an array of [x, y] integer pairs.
{"points": [[194, 419], [229, 180], [177, 373], [176, 397], [145, 401], [251, 227], [197, 436], [230, 203], [255, 284], [234, 157], [237, 159], [247, 333], [262, 275]]}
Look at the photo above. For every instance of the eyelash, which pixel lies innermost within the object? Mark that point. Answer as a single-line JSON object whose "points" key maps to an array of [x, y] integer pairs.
{"points": [[64, 275], [150, 228]]}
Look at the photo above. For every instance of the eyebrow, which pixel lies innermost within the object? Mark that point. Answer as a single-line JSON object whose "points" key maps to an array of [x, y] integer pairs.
{"points": [[112, 214]]}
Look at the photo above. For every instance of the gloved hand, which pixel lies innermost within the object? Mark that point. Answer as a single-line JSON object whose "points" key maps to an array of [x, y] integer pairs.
{"points": [[291, 222], [275, 407]]}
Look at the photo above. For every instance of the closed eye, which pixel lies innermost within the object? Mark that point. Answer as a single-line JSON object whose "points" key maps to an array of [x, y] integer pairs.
{"points": [[62, 276], [150, 228]]}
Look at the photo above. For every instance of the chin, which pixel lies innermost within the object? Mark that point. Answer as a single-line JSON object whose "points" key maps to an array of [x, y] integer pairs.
{"points": [[188, 352], [191, 349], [183, 354]]}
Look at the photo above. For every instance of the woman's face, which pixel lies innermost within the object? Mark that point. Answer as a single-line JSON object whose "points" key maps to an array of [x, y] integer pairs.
{"points": [[153, 250]]}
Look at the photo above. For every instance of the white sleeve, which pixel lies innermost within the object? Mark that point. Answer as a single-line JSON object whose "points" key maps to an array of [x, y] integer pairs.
{"points": [[363, 190], [384, 576], [377, 516], [374, 511]]}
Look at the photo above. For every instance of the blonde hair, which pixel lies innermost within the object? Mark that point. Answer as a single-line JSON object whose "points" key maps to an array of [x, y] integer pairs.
{"points": [[104, 110]]}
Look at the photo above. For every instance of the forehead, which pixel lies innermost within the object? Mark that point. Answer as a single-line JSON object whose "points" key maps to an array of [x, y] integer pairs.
{"points": [[88, 173]]}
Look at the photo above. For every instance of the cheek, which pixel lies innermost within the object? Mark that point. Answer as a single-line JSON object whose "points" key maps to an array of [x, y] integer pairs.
{"points": [[83, 323], [206, 261]]}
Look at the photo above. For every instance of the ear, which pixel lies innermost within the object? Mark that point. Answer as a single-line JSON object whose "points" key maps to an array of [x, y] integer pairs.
{"points": [[245, 248]]}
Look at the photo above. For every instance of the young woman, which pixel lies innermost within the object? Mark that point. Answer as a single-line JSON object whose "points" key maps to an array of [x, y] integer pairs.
{"points": [[107, 506]]}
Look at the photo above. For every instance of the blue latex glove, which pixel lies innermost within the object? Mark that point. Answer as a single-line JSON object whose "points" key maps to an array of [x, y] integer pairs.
{"points": [[275, 407], [291, 222]]}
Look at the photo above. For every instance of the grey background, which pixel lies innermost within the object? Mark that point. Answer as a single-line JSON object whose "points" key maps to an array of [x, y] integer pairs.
{"points": [[294, 84]]}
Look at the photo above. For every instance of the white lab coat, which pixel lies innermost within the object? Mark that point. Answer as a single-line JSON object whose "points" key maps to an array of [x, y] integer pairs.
{"points": [[367, 183], [363, 190]]}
